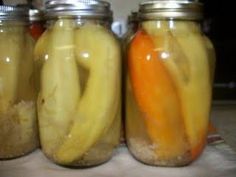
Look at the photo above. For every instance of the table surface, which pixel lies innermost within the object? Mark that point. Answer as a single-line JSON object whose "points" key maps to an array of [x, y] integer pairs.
{"points": [[224, 118], [218, 160]]}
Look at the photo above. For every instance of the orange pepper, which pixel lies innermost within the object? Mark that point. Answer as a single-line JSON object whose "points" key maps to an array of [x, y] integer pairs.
{"points": [[36, 30], [157, 98]]}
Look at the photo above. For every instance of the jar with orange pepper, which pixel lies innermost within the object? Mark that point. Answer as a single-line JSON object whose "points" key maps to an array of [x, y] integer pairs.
{"points": [[168, 84]]}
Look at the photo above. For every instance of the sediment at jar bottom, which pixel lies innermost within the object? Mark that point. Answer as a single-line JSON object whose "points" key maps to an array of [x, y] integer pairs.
{"points": [[18, 130], [91, 114], [146, 153]]}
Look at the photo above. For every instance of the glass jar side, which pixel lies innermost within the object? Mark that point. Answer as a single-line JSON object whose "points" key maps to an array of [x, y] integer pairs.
{"points": [[85, 122], [168, 93], [18, 125]]}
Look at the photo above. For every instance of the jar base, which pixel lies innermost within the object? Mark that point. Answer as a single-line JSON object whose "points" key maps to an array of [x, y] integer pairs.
{"points": [[145, 154], [19, 155], [86, 161]]}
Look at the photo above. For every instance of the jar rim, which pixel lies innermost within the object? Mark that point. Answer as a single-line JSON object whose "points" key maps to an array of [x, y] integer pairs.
{"points": [[36, 15], [78, 8], [171, 9], [8, 12]]}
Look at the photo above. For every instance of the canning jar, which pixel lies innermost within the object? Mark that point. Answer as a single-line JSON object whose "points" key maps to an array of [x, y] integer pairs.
{"points": [[37, 23], [78, 65], [18, 128], [168, 92]]}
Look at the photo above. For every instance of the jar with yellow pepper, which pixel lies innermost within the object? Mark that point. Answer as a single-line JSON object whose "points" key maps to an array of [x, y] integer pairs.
{"points": [[78, 80], [18, 124]]}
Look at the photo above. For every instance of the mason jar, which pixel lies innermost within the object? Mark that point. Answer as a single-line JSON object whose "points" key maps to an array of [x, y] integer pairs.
{"points": [[78, 65], [168, 91], [37, 23], [18, 125]]}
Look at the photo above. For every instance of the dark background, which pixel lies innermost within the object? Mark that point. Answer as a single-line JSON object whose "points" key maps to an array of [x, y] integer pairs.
{"points": [[220, 27]]}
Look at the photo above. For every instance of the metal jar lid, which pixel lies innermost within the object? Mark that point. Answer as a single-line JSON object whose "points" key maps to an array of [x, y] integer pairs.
{"points": [[171, 9], [78, 8], [133, 17], [13, 13], [36, 15]]}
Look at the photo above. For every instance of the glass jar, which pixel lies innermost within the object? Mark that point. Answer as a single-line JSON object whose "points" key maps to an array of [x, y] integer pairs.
{"points": [[78, 66], [168, 92], [18, 128], [37, 23]]}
